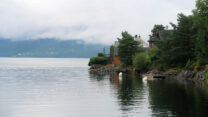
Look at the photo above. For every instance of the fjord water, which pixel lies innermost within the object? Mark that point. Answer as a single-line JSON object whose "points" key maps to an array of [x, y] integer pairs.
{"points": [[56, 87]]}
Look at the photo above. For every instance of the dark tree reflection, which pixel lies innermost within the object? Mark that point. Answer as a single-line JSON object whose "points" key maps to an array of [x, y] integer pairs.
{"points": [[98, 76], [162, 98], [171, 98], [130, 88]]}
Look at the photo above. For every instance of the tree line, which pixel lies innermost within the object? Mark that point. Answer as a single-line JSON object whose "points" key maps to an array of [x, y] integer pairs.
{"points": [[185, 46]]}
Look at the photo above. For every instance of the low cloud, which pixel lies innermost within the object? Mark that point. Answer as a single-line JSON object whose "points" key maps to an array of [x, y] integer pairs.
{"points": [[93, 21]]}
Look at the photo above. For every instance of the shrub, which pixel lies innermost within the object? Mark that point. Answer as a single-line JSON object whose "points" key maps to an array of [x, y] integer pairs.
{"points": [[101, 55], [141, 61], [206, 75], [98, 61], [190, 64], [206, 67], [153, 54]]}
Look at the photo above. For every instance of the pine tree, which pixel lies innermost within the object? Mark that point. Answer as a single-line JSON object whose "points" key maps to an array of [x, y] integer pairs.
{"points": [[127, 48], [182, 41], [201, 24]]}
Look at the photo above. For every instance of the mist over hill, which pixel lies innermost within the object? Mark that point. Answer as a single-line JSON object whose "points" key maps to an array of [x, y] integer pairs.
{"points": [[49, 48]]}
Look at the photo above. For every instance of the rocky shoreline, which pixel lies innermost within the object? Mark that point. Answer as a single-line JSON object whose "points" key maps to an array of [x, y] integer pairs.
{"points": [[199, 75], [109, 69], [187, 75]]}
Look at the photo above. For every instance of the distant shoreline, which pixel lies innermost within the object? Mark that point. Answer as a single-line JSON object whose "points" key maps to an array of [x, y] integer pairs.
{"points": [[49, 57]]}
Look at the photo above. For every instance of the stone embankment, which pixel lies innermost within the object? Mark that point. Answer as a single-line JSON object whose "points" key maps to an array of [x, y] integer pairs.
{"points": [[189, 75], [107, 69], [192, 75]]}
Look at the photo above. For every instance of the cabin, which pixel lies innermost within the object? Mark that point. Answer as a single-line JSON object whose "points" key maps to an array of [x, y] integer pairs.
{"points": [[152, 40], [159, 36], [139, 39]]}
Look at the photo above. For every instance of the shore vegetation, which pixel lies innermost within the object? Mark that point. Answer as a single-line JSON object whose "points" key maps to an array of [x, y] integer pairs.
{"points": [[184, 46]]}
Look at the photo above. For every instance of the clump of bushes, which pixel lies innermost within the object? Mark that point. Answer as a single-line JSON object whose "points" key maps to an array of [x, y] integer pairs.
{"points": [[153, 54], [141, 61], [206, 72], [101, 59], [206, 75], [101, 55]]}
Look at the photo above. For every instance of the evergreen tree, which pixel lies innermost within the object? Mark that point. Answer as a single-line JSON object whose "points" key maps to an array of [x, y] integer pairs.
{"points": [[162, 54], [182, 41], [111, 52], [177, 46], [157, 27], [201, 24], [127, 48]]}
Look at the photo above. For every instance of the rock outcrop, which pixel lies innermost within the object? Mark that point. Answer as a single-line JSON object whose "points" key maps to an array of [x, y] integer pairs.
{"points": [[192, 75]]}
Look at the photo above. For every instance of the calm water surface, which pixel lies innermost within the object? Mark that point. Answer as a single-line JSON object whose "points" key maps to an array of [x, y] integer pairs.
{"points": [[49, 87]]}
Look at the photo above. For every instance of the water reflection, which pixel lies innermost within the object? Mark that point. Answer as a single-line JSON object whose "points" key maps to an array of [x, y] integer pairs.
{"points": [[158, 98], [131, 93], [171, 98], [67, 89], [97, 76]]}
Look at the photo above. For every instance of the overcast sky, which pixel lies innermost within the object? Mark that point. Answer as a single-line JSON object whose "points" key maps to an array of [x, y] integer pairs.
{"points": [[95, 21]]}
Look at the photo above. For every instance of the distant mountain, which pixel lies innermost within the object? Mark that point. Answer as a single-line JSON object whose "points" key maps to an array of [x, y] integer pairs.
{"points": [[49, 48]]}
